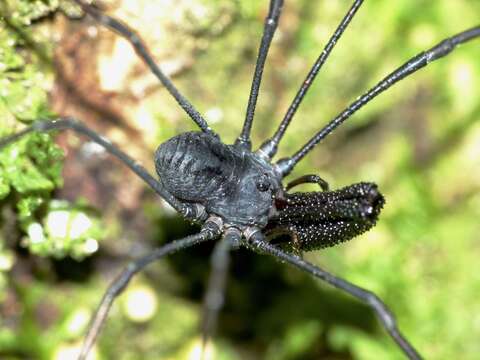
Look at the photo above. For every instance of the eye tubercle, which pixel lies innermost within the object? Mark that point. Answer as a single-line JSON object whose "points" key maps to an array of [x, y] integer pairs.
{"points": [[263, 185]]}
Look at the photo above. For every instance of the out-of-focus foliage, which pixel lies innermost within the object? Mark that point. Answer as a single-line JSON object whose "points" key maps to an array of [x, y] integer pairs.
{"points": [[419, 142], [30, 170]]}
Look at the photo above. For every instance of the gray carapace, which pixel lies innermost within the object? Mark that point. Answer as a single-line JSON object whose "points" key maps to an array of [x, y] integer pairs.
{"points": [[224, 180]]}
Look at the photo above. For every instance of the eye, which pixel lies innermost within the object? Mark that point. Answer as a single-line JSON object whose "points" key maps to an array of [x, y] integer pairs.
{"points": [[263, 184]]}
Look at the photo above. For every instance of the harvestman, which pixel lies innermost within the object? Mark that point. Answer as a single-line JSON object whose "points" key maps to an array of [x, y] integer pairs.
{"points": [[236, 194]]}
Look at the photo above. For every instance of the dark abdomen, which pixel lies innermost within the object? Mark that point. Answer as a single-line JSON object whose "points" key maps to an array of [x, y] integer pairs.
{"points": [[195, 166]]}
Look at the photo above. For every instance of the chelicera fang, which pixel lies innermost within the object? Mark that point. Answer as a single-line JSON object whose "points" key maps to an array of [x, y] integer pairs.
{"points": [[238, 196]]}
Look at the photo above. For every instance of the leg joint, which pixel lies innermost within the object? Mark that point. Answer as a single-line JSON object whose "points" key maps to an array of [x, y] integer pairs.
{"points": [[382, 311]]}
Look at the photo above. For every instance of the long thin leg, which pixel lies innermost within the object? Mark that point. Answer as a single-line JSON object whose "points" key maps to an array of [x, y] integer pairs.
{"points": [[143, 52], [209, 232], [418, 62], [78, 127], [215, 295], [258, 243], [271, 23], [269, 148]]}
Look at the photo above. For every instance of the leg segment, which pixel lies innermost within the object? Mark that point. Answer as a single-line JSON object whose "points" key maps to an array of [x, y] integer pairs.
{"points": [[143, 52], [215, 295], [75, 125], [258, 243], [443, 48], [308, 179], [209, 232], [271, 23], [269, 148]]}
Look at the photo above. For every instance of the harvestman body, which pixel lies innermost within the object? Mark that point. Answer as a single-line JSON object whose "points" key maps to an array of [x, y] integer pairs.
{"points": [[238, 194]]}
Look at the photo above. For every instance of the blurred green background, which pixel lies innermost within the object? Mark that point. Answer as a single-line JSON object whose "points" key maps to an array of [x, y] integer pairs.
{"points": [[65, 234]]}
